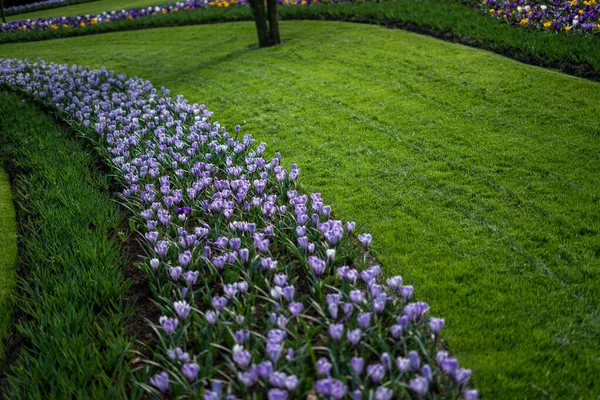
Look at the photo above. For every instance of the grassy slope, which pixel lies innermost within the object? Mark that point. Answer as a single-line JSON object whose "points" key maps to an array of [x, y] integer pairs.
{"points": [[72, 288], [94, 7], [8, 256], [577, 54], [478, 176]]}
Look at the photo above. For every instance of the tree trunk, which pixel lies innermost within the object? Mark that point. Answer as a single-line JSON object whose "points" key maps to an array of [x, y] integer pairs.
{"points": [[260, 19], [2, 11], [273, 22]]}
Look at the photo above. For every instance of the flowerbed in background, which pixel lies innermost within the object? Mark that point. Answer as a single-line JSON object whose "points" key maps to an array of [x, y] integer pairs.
{"points": [[82, 21], [41, 5], [565, 16], [262, 293]]}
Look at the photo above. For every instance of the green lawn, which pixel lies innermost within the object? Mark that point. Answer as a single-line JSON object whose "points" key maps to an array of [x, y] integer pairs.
{"points": [[94, 7], [478, 176], [8, 257]]}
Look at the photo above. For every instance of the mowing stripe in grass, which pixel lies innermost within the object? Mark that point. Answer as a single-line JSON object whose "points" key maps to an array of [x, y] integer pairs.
{"points": [[71, 290], [450, 20], [477, 175], [8, 257]]}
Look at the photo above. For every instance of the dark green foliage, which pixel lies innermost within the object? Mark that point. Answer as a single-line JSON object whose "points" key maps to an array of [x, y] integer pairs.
{"points": [[8, 257], [70, 299]]}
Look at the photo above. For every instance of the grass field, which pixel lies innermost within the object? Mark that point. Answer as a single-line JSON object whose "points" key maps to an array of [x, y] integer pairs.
{"points": [[477, 175], [94, 7], [8, 257], [71, 311]]}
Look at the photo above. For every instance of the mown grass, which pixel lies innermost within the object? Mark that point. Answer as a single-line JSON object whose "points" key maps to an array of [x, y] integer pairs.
{"points": [[477, 175], [71, 312], [8, 258], [457, 21]]}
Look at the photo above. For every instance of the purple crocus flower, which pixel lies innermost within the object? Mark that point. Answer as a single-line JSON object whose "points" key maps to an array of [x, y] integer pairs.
{"points": [[386, 360], [248, 378], [185, 258], [154, 263], [354, 336], [365, 239], [211, 317], [449, 366], [462, 376], [471, 394], [324, 366], [278, 379], [338, 389], [280, 279], [415, 360], [185, 210], [265, 369], [403, 364], [295, 308], [161, 382], [161, 248], [175, 272], [218, 302], [182, 309], [291, 382], [356, 296], [376, 372], [242, 357], [190, 370], [436, 325], [169, 325], [383, 393], [364, 320], [277, 394], [317, 265], [357, 364], [419, 385], [336, 331], [191, 276], [427, 373]]}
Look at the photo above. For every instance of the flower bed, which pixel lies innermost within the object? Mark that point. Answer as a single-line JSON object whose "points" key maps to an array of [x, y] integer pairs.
{"points": [[82, 21], [559, 16], [41, 5], [262, 292]]}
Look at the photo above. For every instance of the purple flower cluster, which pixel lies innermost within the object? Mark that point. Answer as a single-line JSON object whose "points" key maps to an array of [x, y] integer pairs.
{"points": [[33, 6], [254, 278], [82, 21], [565, 16]]}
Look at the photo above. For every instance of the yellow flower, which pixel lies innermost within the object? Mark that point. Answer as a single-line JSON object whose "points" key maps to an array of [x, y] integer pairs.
{"points": [[492, 11], [580, 12], [65, 26], [164, 11], [93, 21], [524, 21], [53, 27], [547, 25], [567, 28], [82, 24], [175, 9]]}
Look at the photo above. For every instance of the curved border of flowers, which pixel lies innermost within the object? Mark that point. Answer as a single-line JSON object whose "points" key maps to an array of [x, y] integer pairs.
{"points": [[262, 293]]}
